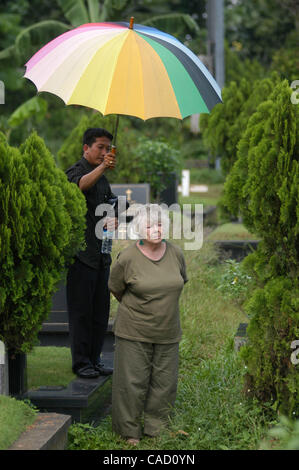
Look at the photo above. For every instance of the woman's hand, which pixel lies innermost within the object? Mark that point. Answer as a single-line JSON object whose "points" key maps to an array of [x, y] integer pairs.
{"points": [[111, 224]]}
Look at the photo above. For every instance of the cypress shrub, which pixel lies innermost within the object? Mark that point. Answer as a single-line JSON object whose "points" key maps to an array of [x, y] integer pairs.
{"points": [[263, 186], [41, 228], [224, 127], [217, 126]]}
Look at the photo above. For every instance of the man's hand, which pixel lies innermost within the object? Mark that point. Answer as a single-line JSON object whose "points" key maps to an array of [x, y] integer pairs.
{"points": [[109, 160]]}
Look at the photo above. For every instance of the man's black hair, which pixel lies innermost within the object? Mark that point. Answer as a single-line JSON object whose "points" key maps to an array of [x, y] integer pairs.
{"points": [[92, 133]]}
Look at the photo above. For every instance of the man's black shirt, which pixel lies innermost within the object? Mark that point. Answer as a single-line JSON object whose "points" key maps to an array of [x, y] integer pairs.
{"points": [[97, 194]]}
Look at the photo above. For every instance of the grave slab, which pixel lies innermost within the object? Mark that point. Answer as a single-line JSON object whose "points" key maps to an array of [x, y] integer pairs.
{"points": [[48, 432]]}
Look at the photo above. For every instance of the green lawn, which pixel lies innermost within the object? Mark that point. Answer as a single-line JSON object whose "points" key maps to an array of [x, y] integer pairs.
{"points": [[210, 198], [15, 416], [231, 231], [49, 366]]}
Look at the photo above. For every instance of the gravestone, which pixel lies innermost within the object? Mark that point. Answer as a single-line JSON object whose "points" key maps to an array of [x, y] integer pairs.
{"points": [[169, 195], [135, 193], [236, 249], [240, 338], [2, 92], [55, 330], [3, 370], [17, 373], [185, 182]]}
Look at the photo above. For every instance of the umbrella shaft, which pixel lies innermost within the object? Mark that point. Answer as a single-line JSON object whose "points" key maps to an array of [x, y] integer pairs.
{"points": [[115, 130]]}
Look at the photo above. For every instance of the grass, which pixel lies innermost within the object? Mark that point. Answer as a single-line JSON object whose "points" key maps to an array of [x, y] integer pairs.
{"points": [[15, 417], [49, 366], [231, 231], [206, 176], [210, 198]]}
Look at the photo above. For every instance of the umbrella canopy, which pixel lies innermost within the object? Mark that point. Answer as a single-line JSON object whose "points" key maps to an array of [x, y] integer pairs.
{"points": [[118, 68]]}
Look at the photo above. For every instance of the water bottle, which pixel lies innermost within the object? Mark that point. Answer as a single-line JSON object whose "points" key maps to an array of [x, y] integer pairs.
{"points": [[107, 241]]}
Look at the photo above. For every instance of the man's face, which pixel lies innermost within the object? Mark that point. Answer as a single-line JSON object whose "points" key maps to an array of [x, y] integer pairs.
{"points": [[95, 153]]}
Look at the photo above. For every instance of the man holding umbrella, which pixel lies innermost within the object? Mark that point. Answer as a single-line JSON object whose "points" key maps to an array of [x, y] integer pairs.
{"points": [[88, 297]]}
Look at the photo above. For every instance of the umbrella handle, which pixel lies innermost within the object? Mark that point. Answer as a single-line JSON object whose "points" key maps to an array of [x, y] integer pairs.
{"points": [[131, 22]]}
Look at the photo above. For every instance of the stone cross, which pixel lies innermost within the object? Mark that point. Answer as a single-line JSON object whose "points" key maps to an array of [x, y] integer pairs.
{"points": [[3, 370]]}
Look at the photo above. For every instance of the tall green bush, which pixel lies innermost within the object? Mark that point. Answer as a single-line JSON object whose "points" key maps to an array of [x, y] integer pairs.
{"points": [[42, 221], [263, 186], [217, 126], [224, 127], [157, 160]]}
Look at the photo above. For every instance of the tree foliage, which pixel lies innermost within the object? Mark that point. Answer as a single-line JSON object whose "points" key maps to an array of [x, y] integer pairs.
{"points": [[260, 27], [157, 160], [263, 186], [223, 128], [42, 227]]}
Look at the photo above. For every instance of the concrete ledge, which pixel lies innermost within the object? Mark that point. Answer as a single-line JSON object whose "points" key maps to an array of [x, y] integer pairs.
{"points": [[48, 432], [236, 249]]}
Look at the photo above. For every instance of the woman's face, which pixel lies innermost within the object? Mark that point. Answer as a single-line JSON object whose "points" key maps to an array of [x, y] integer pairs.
{"points": [[154, 232]]}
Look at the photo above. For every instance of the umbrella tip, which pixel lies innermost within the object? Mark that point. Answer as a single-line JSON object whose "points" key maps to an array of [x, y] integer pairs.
{"points": [[131, 22]]}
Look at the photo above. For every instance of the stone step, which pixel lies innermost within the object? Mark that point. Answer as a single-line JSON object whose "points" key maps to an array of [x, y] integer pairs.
{"points": [[85, 400], [57, 333], [48, 432]]}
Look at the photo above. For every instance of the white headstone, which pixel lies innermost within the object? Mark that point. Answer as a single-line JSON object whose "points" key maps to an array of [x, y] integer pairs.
{"points": [[2, 92], [3, 370], [185, 182]]}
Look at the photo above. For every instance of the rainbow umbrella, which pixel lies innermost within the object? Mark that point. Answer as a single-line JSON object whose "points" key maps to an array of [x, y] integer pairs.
{"points": [[122, 68]]}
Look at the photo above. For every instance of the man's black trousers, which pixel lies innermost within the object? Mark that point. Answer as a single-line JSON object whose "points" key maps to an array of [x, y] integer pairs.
{"points": [[88, 301]]}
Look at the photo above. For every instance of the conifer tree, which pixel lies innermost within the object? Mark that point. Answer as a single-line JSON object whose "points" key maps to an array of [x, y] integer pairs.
{"points": [[263, 183], [41, 227], [217, 126], [263, 187], [224, 127]]}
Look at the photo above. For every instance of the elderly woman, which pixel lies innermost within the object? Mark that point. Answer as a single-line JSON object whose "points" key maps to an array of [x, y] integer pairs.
{"points": [[147, 279]]}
